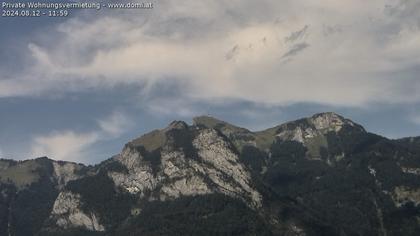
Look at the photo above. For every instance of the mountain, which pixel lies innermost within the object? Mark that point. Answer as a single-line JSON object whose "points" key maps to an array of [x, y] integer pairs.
{"points": [[321, 175]]}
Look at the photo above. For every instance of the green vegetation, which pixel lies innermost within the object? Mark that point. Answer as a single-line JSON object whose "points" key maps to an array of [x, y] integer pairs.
{"points": [[112, 165], [150, 141], [347, 191], [100, 196], [199, 215], [181, 139], [152, 157], [31, 206], [265, 138], [253, 158], [21, 174], [315, 146], [214, 123], [71, 232], [238, 136]]}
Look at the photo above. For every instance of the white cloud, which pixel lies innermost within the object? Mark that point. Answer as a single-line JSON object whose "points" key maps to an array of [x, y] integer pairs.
{"points": [[74, 146], [173, 107], [349, 53], [66, 145], [115, 125]]}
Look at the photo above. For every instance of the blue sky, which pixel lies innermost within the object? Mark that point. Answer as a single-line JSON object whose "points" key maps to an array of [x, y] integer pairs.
{"points": [[80, 87]]}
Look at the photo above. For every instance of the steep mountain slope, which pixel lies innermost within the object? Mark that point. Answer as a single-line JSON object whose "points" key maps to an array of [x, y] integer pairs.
{"points": [[321, 175], [28, 191]]}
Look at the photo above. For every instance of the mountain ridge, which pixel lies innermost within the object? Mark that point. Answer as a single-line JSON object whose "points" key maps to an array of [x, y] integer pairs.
{"points": [[320, 175]]}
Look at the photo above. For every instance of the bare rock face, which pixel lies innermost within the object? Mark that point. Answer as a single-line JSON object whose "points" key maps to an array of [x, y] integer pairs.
{"points": [[298, 134], [403, 195], [203, 163], [411, 170], [65, 172], [139, 177], [215, 151], [330, 121], [67, 213], [321, 175], [312, 132], [318, 125]]}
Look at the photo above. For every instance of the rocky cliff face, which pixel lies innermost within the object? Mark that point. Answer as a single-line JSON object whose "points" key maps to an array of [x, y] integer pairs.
{"points": [[67, 213], [322, 175], [28, 191], [65, 172], [192, 161]]}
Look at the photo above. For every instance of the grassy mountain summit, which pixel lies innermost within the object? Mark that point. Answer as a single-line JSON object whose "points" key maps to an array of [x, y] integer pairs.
{"points": [[321, 175]]}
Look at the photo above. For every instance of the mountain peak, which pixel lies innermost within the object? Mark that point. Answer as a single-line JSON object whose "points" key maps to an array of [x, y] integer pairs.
{"points": [[281, 178], [157, 138], [332, 122], [176, 124], [211, 122], [328, 114], [207, 121]]}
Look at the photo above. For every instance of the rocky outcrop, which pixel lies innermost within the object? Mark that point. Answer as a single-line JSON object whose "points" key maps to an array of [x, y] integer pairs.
{"points": [[403, 195], [227, 173], [211, 167], [312, 132], [66, 171], [411, 170], [331, 121], [316, 126], [139, 177], [67, 213]]}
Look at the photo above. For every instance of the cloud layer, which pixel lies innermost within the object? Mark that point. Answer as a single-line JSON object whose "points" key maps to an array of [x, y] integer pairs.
{"points": [[347, 53], [74, 146], [241, 57]]}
